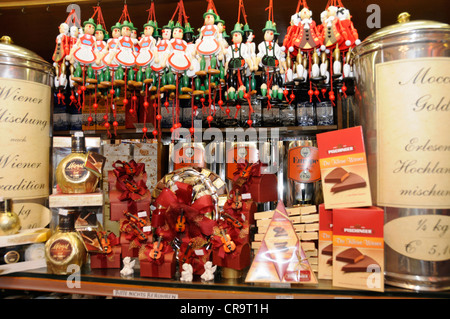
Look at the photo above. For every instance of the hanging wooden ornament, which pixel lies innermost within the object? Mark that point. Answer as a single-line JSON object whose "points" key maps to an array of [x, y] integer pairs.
{"points": [[269, 57], [239, 64]]}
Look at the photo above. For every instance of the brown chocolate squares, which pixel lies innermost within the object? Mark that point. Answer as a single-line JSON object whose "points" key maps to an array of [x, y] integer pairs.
{"points": [[335, 175], [351, 255], [356, 261], [361, 266], [328, 251], [344, 180]]}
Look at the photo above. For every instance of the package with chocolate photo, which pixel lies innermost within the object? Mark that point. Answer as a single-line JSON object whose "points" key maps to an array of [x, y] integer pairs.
{"points": [[358, 248], [343, 165]]}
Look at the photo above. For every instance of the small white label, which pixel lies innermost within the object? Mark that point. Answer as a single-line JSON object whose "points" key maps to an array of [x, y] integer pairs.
{"points": [[199, 252], [143, 294], [246, 196], [63, 212], [142, 214], [147, 229]]}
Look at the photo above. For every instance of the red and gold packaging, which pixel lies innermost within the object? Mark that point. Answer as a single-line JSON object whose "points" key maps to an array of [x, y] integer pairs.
{"points": [[358, 248], [343, 165], [325, 268]]}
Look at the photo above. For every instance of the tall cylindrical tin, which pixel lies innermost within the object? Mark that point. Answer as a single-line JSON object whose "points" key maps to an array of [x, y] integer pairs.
{"points": [[25, 131], [403, 79], [302, 171]]}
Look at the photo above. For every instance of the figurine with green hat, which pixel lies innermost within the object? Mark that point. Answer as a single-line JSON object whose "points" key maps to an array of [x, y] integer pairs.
{"points": [[188, 34], [147, 44], [208, 46], [111, 47], [270, 57], [125, 55], [162, 48], [238, 57], [146, 55], [100, 47], [84, 49], [269, 52], [178, 60]]}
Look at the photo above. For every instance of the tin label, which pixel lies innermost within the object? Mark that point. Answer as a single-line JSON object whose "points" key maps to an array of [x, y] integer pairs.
{"points": [[303, 165], [24, 138], [11, 257], [189, 156], [413, 113]]}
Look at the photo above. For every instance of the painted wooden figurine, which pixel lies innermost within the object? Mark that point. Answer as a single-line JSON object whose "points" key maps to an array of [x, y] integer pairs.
{"points": [[178, 60], [208, 46], [84, 50], [98, 66], [269, 52], [62, 42], [147, 44], [163, 49], [111, 47], [125, 55], [238, 58]]}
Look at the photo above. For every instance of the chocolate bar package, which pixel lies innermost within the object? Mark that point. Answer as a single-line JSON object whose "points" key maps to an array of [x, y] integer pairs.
{"points": [[358, 248], [325, 267], [343, 166]]}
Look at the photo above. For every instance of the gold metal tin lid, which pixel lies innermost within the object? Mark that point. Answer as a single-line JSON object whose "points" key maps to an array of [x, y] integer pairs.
{"points": [[403, 32], [11, 54]]}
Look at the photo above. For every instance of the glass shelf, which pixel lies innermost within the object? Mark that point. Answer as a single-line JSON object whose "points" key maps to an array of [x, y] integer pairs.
{"points": [[109, 283]]}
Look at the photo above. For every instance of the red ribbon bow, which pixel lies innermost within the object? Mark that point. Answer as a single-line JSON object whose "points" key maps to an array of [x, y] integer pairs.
{"points": [[244, 173]]}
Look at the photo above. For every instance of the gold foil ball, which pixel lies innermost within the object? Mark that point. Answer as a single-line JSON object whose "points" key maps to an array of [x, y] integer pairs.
{"points": [[9, 223]]}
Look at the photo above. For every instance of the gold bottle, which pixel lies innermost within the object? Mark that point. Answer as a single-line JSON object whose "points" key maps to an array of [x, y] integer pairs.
{"points": [[9, 221], [72, 176], [65, 249]]}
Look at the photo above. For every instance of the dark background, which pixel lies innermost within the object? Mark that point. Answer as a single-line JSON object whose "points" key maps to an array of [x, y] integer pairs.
{"points": [[35, 26]]}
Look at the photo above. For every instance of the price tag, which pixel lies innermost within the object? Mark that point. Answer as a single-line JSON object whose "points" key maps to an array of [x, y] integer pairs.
{"points": [[142, 214], [423, 237]]}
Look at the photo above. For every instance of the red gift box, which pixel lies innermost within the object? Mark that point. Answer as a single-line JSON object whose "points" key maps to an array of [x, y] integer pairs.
{"points": [[249, 209], [99, 260], [166, 269], [239, 259], [246, 214], [117, 207], [127, 247], [263, 188], [112, 179]]}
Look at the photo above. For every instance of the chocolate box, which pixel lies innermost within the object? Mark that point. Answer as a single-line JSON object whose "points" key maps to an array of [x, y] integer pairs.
{"points": [[343, 166], [127, 251], [113, 260], [325, 269], [358, 248], [117, 207], [263, 188], [164, 270], [239, 259]]}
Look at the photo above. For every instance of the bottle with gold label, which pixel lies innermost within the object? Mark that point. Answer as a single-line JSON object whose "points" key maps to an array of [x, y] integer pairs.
{"points": [[65, 248], [72, 176], [9, 221]]}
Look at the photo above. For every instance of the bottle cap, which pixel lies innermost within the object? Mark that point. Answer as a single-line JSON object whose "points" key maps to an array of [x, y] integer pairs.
{"points": [[5, 204], [78, 143], [66, 220]]}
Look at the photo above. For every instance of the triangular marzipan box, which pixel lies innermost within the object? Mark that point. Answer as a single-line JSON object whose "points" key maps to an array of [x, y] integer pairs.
{"points": [[281, 259]]}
